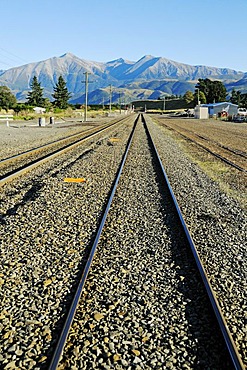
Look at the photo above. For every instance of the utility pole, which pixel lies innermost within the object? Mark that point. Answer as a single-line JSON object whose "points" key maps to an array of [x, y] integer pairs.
{"points": [[198, 101], [120, 102], [110, 98], [164, 104], [86, 91]]}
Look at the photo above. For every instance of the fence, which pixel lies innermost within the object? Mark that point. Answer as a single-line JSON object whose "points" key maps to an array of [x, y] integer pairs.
{"points": [[6, 117]]}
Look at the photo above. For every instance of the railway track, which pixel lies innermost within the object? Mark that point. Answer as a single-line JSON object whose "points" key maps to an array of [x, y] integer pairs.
{"points": [[126, 305], [232, 157], [237, 152], [110, 353], [17, 164]]}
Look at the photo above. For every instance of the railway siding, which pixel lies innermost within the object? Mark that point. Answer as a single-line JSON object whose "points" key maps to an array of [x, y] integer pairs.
{"points": [[48, 151], [46, 226], [218, 148]]}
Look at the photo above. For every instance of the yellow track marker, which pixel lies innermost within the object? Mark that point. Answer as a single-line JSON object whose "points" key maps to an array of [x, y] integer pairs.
{"points": [[72, 179]]}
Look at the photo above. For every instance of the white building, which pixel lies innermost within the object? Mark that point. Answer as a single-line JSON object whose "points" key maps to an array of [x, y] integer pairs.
{"points": [[221, 109], [39, 110], [201, 112]]}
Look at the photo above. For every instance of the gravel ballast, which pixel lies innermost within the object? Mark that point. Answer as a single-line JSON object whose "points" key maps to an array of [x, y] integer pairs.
{"points": [[143, 306]]}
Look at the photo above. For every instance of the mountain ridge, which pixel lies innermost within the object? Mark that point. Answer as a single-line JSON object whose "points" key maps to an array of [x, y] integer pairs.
{"points": [[120, 73]]}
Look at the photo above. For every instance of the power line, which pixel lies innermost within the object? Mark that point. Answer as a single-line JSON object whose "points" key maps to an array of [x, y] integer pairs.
{"points": [[14, 55], [8, 58], [7, 64], [8, 61]]}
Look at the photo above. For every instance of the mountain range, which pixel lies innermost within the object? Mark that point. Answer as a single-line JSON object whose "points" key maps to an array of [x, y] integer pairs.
{"points": [[148, 78]]}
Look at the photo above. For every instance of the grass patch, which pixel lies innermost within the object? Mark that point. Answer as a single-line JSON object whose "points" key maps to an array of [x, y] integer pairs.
{"points": [[212, 168], [229, 180]]}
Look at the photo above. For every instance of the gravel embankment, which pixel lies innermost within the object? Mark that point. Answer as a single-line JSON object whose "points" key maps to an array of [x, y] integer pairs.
{"points": [[46, 226], [218, 226], [143, 305]]}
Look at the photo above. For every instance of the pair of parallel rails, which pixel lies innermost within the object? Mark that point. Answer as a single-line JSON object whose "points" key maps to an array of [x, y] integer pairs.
{"points": [[28, 160], [229, 156], [236, 359]]}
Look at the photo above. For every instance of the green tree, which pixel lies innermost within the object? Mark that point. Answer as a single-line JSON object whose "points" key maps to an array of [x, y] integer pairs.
{"points": [[35, 96], [7, 99], [236, 97], [214, 91], [19, 107], [202, 98], [243, 101], [204, 86], [61, 94], [188, 97], [218, 92], [47, 104]]}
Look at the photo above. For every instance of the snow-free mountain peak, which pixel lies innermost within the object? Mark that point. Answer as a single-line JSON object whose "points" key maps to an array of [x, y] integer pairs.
{"points": [[118, 73]]}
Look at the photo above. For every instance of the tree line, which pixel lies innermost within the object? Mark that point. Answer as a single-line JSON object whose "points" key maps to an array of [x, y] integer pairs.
{"points": [[35, 96], [206, 92]]}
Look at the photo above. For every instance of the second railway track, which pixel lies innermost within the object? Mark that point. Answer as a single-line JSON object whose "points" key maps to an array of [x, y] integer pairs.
{"points": [[29, 159], [235, 158]]}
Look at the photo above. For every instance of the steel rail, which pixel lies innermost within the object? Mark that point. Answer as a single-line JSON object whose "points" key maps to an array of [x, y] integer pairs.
{"points": [[225, 160], [238, 152], [5, 161], [68, 322], [231, 150], [85, 134], [236, 359], [38, 161]]}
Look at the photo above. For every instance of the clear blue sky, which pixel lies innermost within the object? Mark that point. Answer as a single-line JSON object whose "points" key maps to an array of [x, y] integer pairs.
{"points": [[206, 32]]}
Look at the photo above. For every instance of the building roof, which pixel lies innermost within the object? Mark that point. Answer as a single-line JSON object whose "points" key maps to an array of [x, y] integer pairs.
{"points": [[218, 104]]}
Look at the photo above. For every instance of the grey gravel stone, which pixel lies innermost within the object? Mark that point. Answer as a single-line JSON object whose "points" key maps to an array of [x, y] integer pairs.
{"points": [[162, 311]]}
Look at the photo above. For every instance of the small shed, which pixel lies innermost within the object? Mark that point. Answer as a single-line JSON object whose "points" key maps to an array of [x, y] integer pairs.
{"points": [[201, 112], [221, 109]]}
